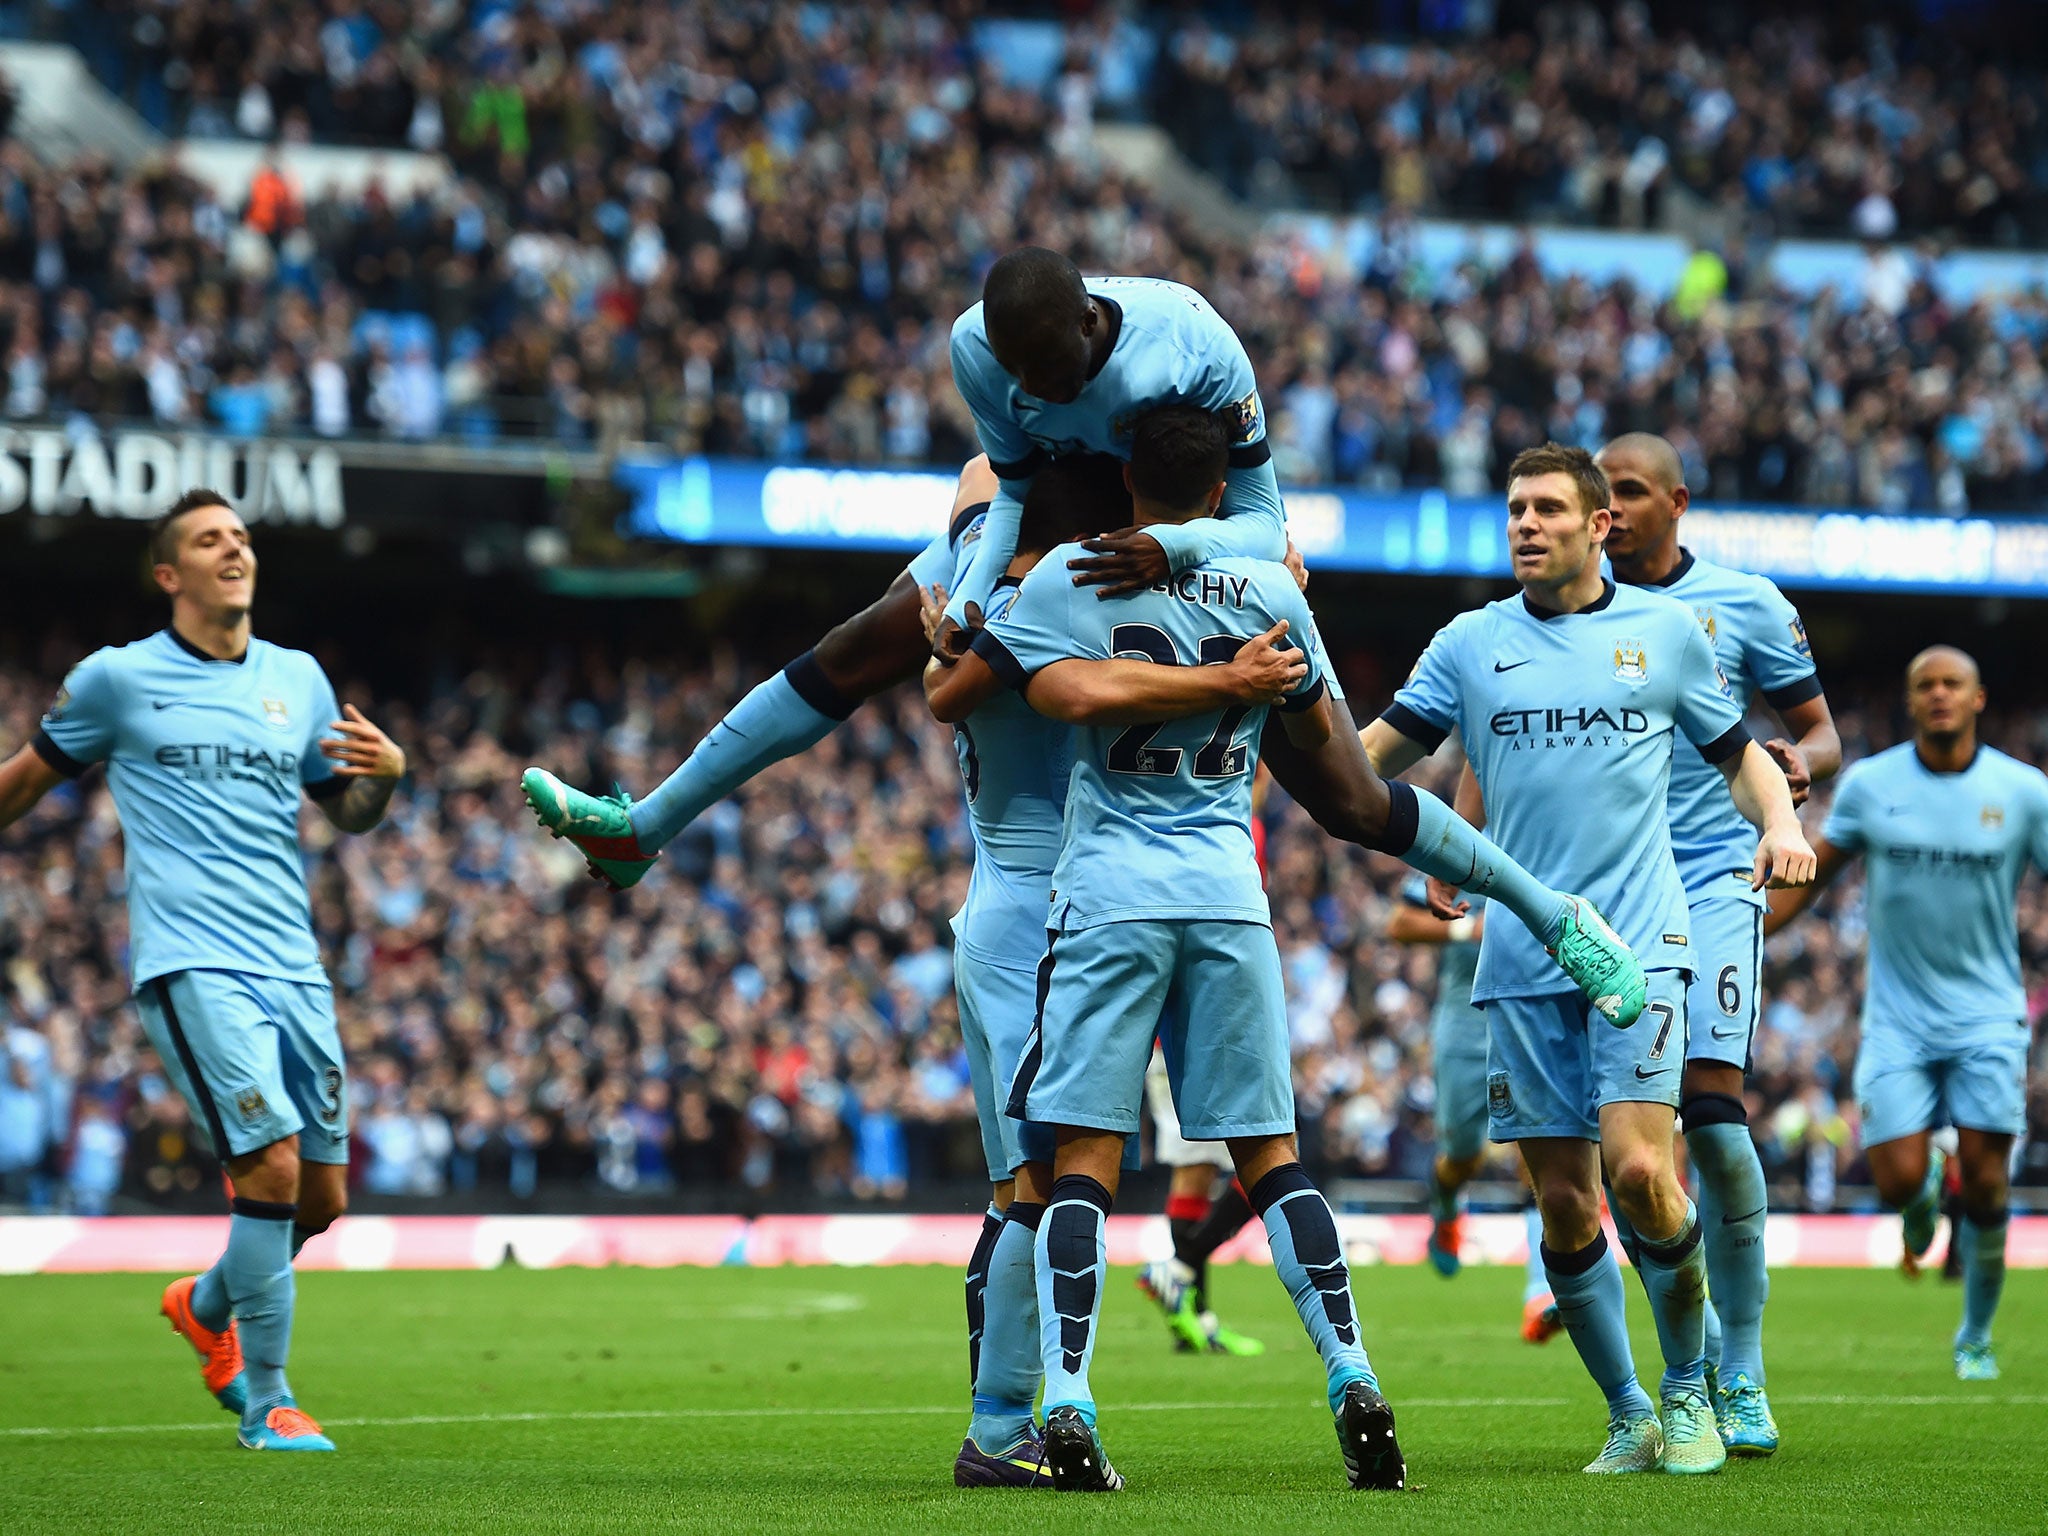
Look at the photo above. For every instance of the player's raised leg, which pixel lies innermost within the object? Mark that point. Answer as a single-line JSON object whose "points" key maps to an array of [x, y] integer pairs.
{"points": [[882, 645], [1341, 788]]}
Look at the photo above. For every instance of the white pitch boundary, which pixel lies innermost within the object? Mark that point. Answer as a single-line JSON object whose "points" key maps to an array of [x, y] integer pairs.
{"points": [[627, 1415]]}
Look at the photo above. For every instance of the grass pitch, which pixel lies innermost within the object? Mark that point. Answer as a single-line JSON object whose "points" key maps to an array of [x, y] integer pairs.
{"points": [[833, 1400]]}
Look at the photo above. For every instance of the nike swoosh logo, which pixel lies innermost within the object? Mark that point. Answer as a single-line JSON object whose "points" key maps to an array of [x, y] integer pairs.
{"points": [[1736, 1221], [1897, 810], [1716, 1033], [1513, 664], [1642, 1076], [165, 703]]}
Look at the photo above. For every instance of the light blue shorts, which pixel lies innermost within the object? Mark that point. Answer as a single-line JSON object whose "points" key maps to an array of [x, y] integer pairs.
{"points": [[257, 1059], [1728, 944], [1104, 995], [997, 1006], [1975, 1080], [1457, 1033], [1552, 1062]]}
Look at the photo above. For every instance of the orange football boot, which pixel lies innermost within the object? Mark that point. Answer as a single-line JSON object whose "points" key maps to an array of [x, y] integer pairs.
{"points": [[220, 1354], [1540, 1322]]}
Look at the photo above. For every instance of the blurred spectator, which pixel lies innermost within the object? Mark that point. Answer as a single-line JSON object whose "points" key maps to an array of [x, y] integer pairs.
{"points": [[769, 1014]]}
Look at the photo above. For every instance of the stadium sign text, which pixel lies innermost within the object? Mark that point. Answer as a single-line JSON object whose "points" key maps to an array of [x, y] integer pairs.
{"points": [[52, 473], [1424, 532]]}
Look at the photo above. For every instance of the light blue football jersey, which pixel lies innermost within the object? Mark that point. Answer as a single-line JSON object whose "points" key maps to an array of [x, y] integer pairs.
{"points": [[1762, 648], [1569, 721], [1015, 764], [206, 760], [1943, 854], [1171, 348], [1158, 822]]}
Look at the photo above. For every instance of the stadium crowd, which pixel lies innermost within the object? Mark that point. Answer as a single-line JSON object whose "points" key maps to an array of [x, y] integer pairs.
{"points": [[682, 224], [768, 1017], [1591, 117]]}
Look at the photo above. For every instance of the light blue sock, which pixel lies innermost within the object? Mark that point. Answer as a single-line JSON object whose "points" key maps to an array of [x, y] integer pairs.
{"points": [[977, 1288], [300, 1237], [1451, 848], [778, 719], [1983, 1275], [1011, 1369], [1587, 1285], [1733, 1206], [1310, 1262], [1535, 1282], [257, 1269], [1071, 1260], [210, 1296], [1675, 1276]]}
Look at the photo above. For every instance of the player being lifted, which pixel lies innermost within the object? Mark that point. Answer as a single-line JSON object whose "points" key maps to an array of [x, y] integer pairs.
{"points": [[1568, 695], [1761, 646], [1014, 758], [1049, 366], [1946, 827], [210, 736]]}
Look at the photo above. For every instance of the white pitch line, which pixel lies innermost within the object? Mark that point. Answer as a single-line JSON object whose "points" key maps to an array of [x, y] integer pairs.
{"points": [[604, 1416], [617, 1415]]}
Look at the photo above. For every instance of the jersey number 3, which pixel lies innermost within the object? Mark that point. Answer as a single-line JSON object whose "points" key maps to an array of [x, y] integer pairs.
{"points": [[1222, 756]]}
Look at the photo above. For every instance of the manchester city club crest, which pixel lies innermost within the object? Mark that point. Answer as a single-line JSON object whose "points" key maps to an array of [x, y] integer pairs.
{"points": [[1631, 662], [276, 715]]}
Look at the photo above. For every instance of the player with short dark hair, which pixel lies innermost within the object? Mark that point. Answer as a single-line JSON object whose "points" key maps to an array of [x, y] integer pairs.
{"points": [[1760, 643], [210, 737], [1014, 762], [1946, 827], [1157, 900], [1568, 696]]}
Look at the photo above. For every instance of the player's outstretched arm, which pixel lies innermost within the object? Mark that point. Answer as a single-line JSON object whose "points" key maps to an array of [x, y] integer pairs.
{"points": [[955, 691], [372, 763], [1128, 692], [24, 779], [1390, 753], [1814, 754], [1787, 904], [1762, 794]]}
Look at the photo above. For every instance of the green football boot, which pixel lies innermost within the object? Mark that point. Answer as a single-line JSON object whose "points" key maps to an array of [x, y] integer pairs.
{"points": [[1176, 1299], [1633, 1445], [1227, 1341], [1743, 1415], [1605, 968], [596, 824], [1976, 1362], [1691, 1442]]}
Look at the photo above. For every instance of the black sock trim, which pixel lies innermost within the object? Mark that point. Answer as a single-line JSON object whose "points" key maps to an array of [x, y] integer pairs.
{"points": [[1674, 1253], [1078, 1186], [265, 1210], [1575, 1263], [1404, 819], [816, 689], [1229, 1216], [1703, 1109], [1026, 1213], [1989, 1219], [1287, 1179]]}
